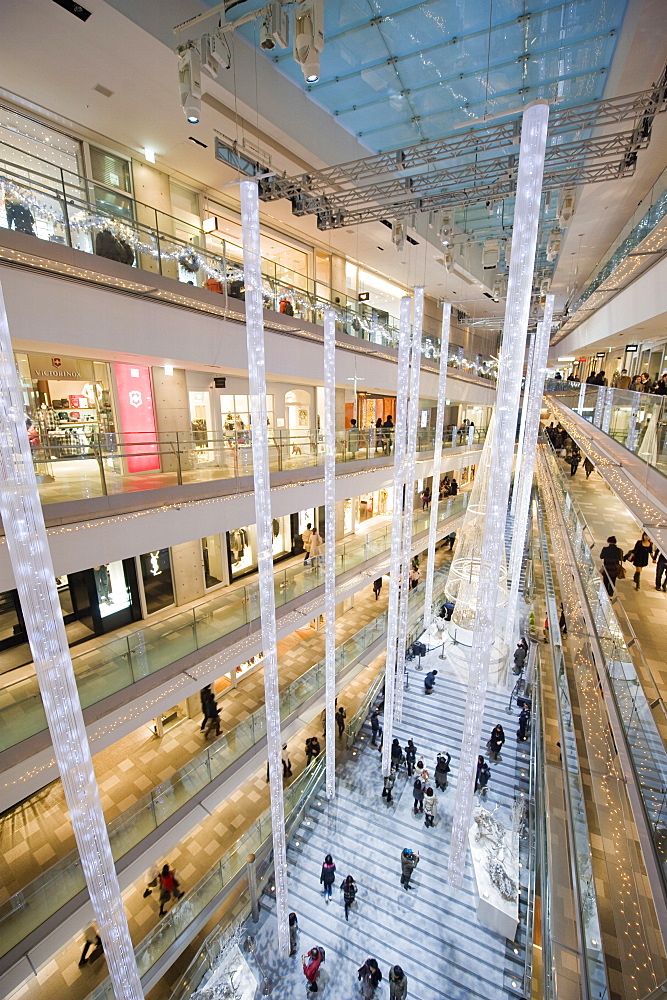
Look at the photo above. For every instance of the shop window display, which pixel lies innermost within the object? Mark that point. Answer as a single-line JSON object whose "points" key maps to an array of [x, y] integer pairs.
{"points": [[242, 544], [212, 554], [157, 580], [113, 593]]}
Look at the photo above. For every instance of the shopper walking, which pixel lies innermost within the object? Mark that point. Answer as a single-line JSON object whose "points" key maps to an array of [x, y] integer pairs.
{"points": [[315, 544], [328, 877], [660, 570], [453, 488], [496, 741], [340, 718], [396, 754], [524, 719], [588, 466], [575, 458], [519, 659], [409, 861], [293, 933], [375, 726], [305, 538], [377, 587], [211, 716], [426, 498], [418, 796], [388, 434], [639, 556], [349, 890], [370, 977], [430, 807], [429, 681], [92, 943], [612, 564], [388, 786], [168, 885], [482, 776], [414, 579], [204, 695], [398, 983], [442, 769], [311, 967], [410, 757]]}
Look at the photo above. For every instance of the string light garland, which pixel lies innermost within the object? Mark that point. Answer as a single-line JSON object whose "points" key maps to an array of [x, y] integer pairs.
{"points": [[437, 460], [519, 289], [408, 494], [330, 546], [396, 555], [28, 547], [522, 429], [252, 263], [523, 478]]}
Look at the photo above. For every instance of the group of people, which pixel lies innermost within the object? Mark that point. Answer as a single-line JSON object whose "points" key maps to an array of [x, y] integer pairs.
{"points": [[369, 974], [563, 444], [639, 555], [641, 382], [313, 545], [448, 487]]}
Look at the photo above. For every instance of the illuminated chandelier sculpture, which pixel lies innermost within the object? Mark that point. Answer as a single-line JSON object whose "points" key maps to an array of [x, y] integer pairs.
{"points": [[462, 582]]}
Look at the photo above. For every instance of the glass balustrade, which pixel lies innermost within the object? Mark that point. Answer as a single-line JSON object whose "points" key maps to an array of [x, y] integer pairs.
{"points": [[25, 911], [184, 458], [62, 208], [642, 719]]}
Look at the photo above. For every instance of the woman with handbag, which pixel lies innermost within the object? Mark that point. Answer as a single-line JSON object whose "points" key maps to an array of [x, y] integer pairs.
{"points": [[639, 556], [612, 564]]}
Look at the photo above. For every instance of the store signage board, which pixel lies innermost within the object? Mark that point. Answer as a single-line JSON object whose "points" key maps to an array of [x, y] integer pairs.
{"points": [[364, 296], [631, 348], [46, 366], [137, 417]]}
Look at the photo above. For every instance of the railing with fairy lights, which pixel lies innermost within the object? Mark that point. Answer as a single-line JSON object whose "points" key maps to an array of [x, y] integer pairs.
{"points": [[637, 420], [63, 207], [99, 464], [592, 966], [640, 708], [28, 909], [119, 663], [210, 891]]}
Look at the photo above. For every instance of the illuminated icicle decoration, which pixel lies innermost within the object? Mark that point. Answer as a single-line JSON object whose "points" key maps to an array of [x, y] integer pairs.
{"points": [[330, 545], [437, 461], [396, 550], [523, 479], [27, 543], [524, 240], [409, 495], [522, 428], [252, 270]]}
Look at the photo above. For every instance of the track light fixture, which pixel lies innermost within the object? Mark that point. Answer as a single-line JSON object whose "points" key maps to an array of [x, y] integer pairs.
{"points": [[398, 235], [445, 230], [490, 254], [274, 30], [309, 37], [189, 79], [554, 245]]}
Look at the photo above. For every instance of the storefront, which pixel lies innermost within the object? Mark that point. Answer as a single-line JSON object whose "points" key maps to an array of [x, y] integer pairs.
{"points": [[359, 511], [68, 401], [242, 546], [156, 578], [370, 408]]}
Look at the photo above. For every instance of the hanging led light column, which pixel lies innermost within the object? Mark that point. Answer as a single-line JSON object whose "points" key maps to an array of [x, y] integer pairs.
{"points": [[330, 545], [409, 494], [252, 270], [396, 550], [28, 547], [510, 366], [523, 478], [522, 427], [437, 461]]}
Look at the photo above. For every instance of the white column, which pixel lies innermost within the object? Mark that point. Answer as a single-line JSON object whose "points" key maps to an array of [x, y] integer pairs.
{"points": [[28, 547], [524, 239], [437, 461], [582, 398], [330, 545], [522, 428], [408, 509], [252, 276], [396, 551], [523, 478]]}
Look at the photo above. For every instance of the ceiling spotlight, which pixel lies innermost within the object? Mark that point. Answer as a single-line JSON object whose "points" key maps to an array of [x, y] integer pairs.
{"points": [[448, 262], [215, 53], [398, 235], [274, 29], [566, 206], [189, 79], [490, 254], [445, 230], [554, 245], [309, 37]]}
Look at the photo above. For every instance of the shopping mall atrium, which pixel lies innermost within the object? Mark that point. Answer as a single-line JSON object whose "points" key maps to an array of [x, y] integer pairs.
{"points": [[333, 445]]}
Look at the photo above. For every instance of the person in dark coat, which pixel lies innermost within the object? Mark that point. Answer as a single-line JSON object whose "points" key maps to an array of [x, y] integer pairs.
{"points": [[212, 716], [442, 769], [612, 559], [396, 754], [293, 933], [370, 977], [398, 983], [524, 719], [375, 726], [349, 889], [660, 561], [418, 796], [328, 877], [575, 458], [429, 681], [496, 741], [340, 717], [409, 861], [410, 757], [388, 785], [588, 466], [639, 556], [519, 659], [482, 776], [204, 695], [377, 587], [453, 488]]}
